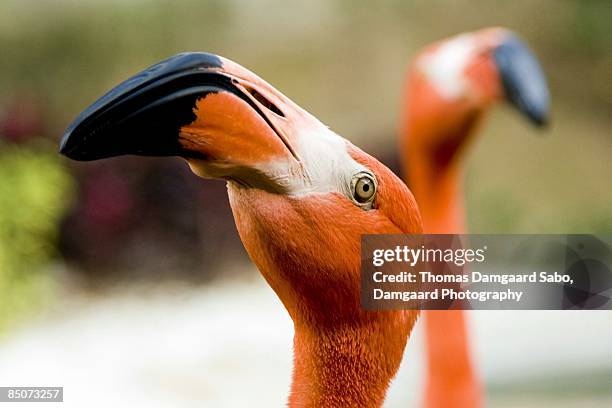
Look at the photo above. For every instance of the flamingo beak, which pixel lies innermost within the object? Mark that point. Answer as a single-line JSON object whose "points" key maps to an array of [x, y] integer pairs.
{"points": [[190, 105], [523, 80]]}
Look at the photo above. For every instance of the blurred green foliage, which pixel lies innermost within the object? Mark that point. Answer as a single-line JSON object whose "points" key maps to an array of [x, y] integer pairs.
{"points": [[34, 191]]}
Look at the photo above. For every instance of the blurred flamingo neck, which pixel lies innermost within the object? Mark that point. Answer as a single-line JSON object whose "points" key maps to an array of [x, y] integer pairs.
{"points": [[434, 167], [438, 190], [435, 139]]}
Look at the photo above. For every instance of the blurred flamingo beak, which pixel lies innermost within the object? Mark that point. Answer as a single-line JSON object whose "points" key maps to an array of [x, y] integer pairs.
{"points": [[195, 105], [523, 80]]}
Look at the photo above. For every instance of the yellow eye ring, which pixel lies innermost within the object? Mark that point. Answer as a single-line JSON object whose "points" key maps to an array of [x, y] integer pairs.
{"points": [[364, 188]]}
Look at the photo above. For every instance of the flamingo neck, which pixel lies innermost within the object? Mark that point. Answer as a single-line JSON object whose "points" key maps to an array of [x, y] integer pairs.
{"points": [[350, 366], [343, 354], [434, 169], [439, 192], [436, 181]]}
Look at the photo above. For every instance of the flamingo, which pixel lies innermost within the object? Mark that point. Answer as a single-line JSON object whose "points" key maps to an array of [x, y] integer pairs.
{"points": [[301, 196], [450, 87]]}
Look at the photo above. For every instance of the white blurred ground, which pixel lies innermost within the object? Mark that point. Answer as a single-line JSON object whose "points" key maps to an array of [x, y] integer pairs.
{"points": [[229, 345]]}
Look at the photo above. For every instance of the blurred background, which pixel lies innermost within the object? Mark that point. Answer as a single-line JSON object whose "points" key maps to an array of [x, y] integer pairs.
{"points": [[125, 279]]}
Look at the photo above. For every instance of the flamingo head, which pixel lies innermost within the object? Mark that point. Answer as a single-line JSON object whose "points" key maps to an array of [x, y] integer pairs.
{"points": [[302, 196], [453, 82]]}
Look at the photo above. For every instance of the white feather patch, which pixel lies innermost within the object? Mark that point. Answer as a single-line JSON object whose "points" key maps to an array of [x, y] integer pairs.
{"points": [[445, 66]]}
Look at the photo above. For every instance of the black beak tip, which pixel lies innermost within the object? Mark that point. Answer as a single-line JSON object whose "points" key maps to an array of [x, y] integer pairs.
{"points": [[67, 147], [71, 143], [542, 123], [539, 118], [523, 80], [142, 115], [64, 148]]}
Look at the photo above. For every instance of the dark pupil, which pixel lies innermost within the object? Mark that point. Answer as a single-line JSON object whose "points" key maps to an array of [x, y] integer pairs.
{"points": [[366, 187]]}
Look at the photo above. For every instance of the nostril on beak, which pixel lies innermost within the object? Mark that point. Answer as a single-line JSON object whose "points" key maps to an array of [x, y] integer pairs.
{"points": [[265, 102]]}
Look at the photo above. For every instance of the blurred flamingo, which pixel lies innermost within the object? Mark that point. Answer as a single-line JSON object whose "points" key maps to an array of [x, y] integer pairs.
{"points": [[450, 87]]}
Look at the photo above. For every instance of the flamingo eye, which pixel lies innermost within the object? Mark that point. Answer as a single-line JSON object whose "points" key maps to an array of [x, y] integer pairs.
{"points": [[364, 188]]}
